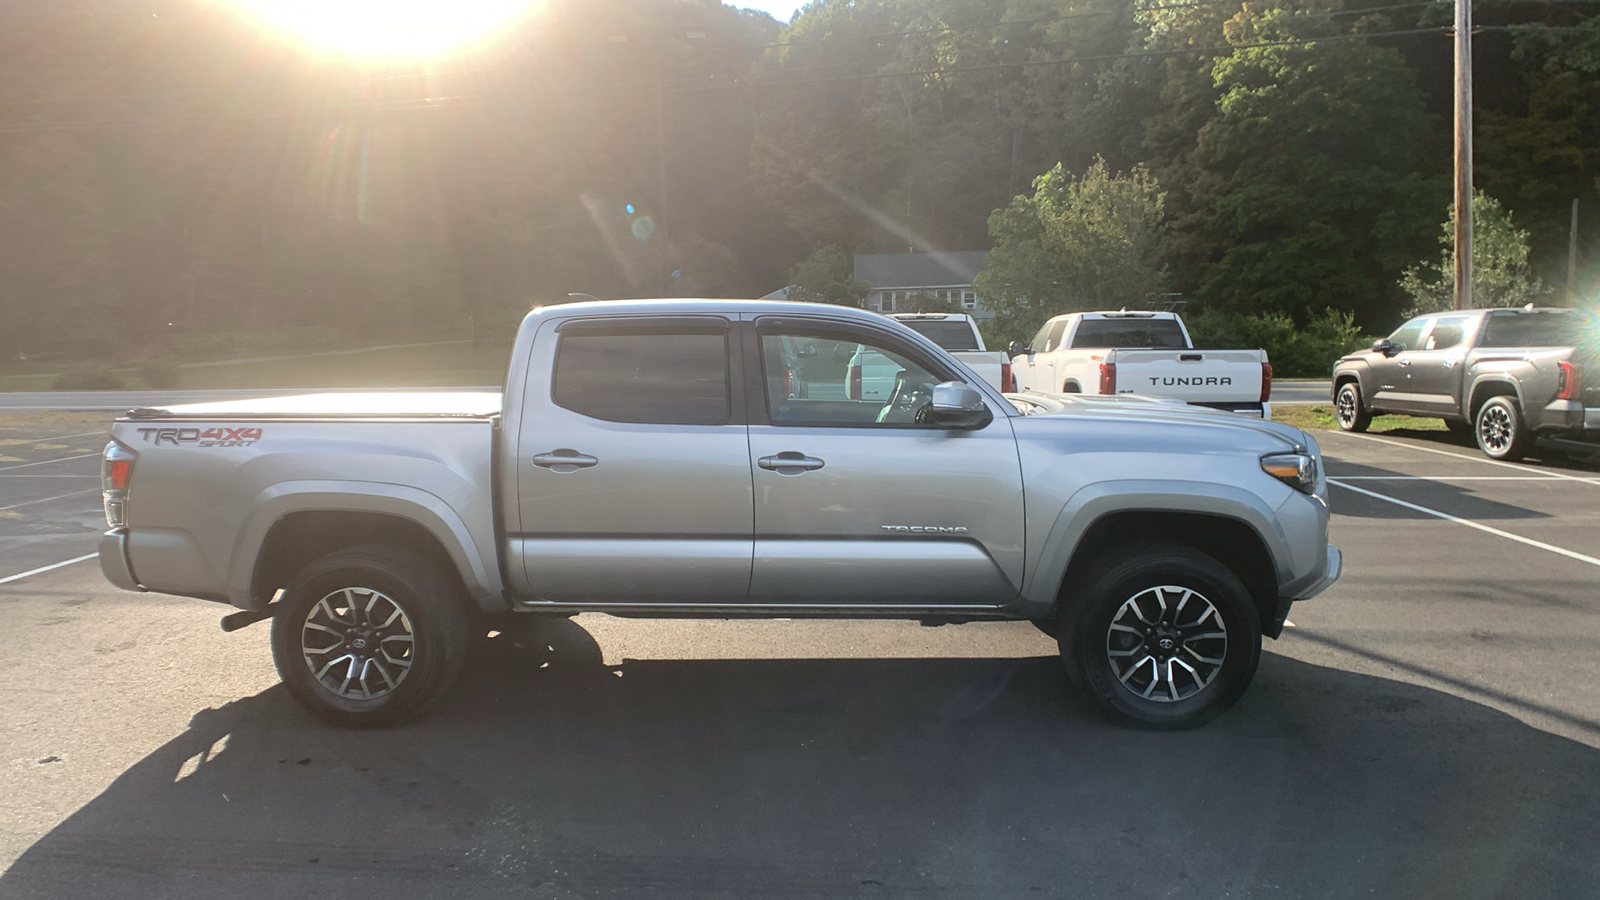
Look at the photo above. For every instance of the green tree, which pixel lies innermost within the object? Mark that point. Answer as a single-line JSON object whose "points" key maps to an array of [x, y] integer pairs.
{"points": [[1500, 272], [827, 276], [1094, 242]]}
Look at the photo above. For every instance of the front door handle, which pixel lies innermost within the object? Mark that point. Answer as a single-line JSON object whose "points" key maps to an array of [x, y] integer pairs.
{"points": [[564, 460], [790, 462], [1405, 362]]}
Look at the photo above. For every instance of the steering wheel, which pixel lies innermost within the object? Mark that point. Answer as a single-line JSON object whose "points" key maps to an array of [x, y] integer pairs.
{"points": [[907, 402]]}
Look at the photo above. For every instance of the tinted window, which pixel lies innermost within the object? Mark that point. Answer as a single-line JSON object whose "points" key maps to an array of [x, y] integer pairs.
{"points": [[1447, 333], [949, 335], [1409, 335], [658, 378], [1163, 334], [1539, 330]]}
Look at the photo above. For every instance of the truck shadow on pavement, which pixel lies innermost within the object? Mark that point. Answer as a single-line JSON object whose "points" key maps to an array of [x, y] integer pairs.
{"points": [[1456, 499], [549, 774]]}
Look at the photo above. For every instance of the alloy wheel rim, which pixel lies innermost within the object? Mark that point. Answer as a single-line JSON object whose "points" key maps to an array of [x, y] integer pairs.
{"points": [[1166, 643], [1346, 407], [1494, 428], [358, 643]]}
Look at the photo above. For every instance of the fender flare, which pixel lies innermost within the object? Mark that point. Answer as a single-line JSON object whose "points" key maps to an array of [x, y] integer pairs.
{"points": [[1093, 502], [1501, 377], [427, 510]]}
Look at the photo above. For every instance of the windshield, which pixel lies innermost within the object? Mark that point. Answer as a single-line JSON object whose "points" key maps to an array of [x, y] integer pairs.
{"points": [[1160, 334], [949, 335], [1543, 329]]}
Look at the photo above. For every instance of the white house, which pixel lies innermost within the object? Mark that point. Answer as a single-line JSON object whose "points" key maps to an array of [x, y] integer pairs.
{"points": [[898, 278]]}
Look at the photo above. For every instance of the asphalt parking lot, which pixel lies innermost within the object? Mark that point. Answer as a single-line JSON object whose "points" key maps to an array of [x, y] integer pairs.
{"points": [[1430, 727]]}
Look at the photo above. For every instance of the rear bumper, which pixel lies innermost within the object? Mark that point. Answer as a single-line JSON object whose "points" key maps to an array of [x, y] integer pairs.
{"points": [[114, 561]]}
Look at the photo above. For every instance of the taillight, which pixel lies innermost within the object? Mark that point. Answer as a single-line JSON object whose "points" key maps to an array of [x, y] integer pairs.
{"points": [[1008, 382], [1108, 378], [853, 391], [1569, 381], [116, 471], [1266, 382]]}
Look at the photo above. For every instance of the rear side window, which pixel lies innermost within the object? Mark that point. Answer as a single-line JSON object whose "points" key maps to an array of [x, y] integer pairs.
{"points": [[660, 378], [949, 335], [1550, 329], [1111, 334]]}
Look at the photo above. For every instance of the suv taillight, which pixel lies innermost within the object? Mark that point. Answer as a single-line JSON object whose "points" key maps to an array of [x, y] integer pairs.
{"points": [[1266, 382], [1569, 381], [1108, 378], [1008, 381], [116, 472]]}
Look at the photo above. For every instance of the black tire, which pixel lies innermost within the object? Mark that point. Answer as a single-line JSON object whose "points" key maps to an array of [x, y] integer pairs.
{"points": [[380, 600], [1349, 411], [1500, 430], [1071, 387], [1150, 576]]}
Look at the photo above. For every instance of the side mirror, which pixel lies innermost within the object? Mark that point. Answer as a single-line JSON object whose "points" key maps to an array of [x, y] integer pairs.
{"points": [[1018, 348], [957, 405], [843, 352], [1382, 345], [806, 351]]}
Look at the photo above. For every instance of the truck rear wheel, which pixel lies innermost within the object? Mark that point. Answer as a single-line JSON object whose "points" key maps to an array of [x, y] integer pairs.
{"points": [[370, 636], [1160, 636], [1501, 432]]}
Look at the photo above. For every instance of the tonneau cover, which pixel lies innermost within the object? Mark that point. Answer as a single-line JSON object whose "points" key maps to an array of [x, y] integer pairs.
{"points": [[407, 404]]}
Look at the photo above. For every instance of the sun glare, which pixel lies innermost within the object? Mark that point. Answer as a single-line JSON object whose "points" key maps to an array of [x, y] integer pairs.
{"points": [[386, 27]]}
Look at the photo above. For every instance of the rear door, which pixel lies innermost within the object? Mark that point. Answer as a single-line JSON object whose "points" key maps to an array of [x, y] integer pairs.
{"points": [[634, 463], [1433, 370], [856, 503]]}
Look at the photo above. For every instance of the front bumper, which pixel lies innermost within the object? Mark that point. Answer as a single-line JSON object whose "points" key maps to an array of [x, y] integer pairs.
{"points": [[1330, 574], [114, 561]]}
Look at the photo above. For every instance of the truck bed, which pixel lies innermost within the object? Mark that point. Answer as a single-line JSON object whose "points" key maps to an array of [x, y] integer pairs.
{"points": [[399, 405]]}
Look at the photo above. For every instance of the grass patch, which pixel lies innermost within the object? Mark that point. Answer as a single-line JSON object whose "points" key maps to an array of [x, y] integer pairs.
{"points": [[48, 424], [1321, 417]]}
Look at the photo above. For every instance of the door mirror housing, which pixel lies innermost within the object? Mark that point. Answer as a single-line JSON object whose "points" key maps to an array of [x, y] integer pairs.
{"points": [[1382, 345], [1018, 348], [959, 406]]}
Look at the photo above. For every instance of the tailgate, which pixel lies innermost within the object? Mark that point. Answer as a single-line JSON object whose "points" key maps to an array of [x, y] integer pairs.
{"points": [[1193, 376], [987, 363]]}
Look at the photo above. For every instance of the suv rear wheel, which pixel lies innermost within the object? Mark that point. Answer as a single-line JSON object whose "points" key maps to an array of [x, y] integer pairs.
{"points": [[1160, 636], [370, 636], [1501, 432]]}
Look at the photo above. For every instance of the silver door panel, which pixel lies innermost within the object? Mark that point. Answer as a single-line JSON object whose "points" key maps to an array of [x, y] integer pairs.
{"points": [[889, 571], [635, 570]]}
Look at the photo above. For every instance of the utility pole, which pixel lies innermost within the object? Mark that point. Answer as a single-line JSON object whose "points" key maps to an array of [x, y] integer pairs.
{"points": [[1463, 236], [1572, 256]]}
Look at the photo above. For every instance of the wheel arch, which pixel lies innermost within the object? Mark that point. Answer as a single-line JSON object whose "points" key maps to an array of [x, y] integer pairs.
{"points": [[1487, 386], [1232, 526], [296, 523]]}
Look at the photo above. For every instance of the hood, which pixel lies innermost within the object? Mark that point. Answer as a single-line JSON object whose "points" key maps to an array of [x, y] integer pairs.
{"points": [[1156, 414]]}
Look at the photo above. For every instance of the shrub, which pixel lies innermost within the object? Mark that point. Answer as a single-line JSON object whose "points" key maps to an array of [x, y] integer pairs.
{"points": [[88, 378], [1295, 352]]}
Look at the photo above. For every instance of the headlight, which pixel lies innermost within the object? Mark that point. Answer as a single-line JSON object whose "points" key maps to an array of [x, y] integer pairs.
{"points": [[1297, 470]]}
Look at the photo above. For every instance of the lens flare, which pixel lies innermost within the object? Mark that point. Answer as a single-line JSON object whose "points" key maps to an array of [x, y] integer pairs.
{"points": [[386, 27]]}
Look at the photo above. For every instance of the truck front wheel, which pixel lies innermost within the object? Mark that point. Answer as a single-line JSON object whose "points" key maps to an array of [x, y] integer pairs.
{"points": [[1160, 636], [370, 636], [1349, 410]]}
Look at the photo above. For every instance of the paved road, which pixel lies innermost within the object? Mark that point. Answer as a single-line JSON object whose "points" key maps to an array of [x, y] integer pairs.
{"points": [[1429, 728], [1297, 392]]}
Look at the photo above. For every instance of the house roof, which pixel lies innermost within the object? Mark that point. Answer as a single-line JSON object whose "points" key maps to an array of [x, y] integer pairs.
{"points": [[910, 270]]}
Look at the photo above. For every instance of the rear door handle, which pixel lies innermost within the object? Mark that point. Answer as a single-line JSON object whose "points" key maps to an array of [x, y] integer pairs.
{"points": [[790, 462], [564, 460]]}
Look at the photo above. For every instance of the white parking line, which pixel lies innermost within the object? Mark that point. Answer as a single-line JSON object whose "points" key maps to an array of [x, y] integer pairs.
{"points": [[42, 569], [1409, 477], [1465, 458], [45, 462], [1570, 554], [48, 499]]}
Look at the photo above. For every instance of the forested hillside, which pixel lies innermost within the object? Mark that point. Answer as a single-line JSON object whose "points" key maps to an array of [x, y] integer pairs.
{"points": [[172, 161]]}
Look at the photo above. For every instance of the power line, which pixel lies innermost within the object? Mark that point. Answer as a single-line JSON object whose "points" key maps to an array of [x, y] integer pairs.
{"points": [[675, 86]]}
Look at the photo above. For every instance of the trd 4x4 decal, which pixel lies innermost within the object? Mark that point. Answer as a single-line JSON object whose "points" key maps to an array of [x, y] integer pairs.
{"points": [[208, 437]]}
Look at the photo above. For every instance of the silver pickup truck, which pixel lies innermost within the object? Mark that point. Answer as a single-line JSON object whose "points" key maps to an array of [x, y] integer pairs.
{"points": [[664, 458]]}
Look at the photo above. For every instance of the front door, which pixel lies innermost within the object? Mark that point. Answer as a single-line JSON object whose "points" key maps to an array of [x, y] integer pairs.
{"points": [[633, 464], [856, 501], [1390, 380]]}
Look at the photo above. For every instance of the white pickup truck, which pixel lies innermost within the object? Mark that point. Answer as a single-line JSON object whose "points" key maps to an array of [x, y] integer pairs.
{"points": [[1146, 353], [871, 376]]}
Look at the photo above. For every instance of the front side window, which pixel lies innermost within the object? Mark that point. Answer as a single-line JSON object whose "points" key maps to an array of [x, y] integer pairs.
{"points": [[821, 379], [1409, 335], [654, 377]]}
